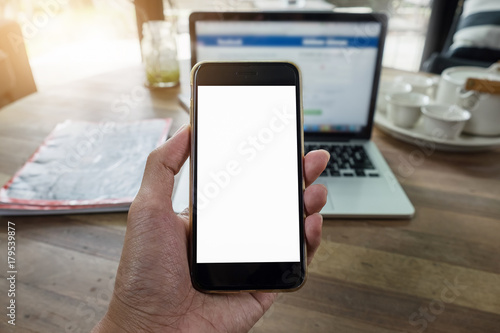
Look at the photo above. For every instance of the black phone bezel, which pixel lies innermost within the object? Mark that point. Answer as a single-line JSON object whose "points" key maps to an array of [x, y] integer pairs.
{"points": [[235, 277]]}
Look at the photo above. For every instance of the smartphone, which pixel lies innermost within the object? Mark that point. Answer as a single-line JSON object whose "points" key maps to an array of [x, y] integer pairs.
{"points": [[246, 199]]}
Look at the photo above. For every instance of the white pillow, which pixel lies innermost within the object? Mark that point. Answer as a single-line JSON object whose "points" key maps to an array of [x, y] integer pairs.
{"points": [[471, 33]]}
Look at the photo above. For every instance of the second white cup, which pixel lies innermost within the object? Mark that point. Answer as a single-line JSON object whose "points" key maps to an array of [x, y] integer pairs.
{"points": [[404, 108]]}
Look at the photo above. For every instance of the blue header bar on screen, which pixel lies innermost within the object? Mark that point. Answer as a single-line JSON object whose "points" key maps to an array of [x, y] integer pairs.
{"points": [[288, 41]]}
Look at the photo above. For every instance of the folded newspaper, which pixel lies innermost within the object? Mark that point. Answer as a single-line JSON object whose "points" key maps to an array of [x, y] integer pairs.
{"points": [[84, 167]]}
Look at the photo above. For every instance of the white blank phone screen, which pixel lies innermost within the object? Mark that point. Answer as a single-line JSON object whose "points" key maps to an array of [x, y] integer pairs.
{"points": [[247, 171]]}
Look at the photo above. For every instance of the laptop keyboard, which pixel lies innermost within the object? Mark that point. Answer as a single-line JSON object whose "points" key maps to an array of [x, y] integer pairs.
{"points": [[346, 161]]}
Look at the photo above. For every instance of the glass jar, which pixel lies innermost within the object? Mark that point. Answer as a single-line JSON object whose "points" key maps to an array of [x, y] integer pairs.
{"points": [[159, 54]]}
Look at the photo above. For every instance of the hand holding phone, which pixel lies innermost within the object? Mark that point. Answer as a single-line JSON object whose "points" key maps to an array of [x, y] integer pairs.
{"points": [[153, 289]]}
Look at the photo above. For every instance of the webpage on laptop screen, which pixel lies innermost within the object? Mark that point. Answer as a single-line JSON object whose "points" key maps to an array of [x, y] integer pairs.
{"points": [[337, 61]]}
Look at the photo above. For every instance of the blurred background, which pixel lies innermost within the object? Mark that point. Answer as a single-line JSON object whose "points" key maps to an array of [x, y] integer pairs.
{"points": [[72, 39]]}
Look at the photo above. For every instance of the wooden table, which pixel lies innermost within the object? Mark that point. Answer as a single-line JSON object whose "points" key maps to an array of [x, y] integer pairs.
{"points": [[439, 272]]}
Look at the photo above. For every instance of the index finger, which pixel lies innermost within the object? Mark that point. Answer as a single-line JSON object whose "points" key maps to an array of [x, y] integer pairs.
{"points": [[314, 164]]}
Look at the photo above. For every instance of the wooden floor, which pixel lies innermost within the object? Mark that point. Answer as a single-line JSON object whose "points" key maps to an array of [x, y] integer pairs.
{"points": [[439, 272]]}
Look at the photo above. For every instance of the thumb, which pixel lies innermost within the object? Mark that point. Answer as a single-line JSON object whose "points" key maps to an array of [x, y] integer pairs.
{"points": [[162, 165]]}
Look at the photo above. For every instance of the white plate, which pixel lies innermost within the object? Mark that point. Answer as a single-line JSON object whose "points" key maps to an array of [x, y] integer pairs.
{"points": [[417, 136]]}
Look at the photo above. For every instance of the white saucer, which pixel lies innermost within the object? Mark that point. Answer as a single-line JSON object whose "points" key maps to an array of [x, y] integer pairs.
{"points": [[417, 136]]}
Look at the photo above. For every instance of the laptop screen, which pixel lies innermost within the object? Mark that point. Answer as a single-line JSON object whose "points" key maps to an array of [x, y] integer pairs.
{"points": [[338, 62]]}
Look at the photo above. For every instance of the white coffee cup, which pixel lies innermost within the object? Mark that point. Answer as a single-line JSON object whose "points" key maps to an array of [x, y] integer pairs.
{"points": [[404, 108], [419, 84], [453, 80], [387, 88], [485, 111], [484, 107], [444, 121]]}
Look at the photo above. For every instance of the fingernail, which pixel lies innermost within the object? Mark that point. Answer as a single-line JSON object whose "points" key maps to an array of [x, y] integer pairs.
{"points": [[180, 129]]}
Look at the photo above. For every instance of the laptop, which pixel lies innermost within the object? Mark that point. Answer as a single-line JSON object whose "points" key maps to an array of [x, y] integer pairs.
{"points": [[340, 58]]}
